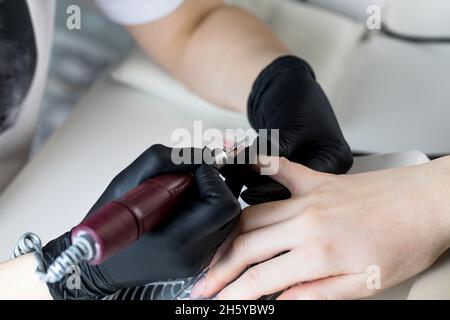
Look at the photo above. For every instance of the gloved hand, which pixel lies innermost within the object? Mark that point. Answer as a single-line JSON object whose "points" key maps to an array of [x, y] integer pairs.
{"points": [[287, 97], [180, 248]]}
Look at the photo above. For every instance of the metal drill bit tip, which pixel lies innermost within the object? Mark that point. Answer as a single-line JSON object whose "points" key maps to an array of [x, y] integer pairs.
{"points": [[224, 155], [237, 148]]}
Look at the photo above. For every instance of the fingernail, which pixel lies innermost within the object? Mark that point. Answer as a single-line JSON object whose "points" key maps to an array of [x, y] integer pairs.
{"points": [[198, 289]]}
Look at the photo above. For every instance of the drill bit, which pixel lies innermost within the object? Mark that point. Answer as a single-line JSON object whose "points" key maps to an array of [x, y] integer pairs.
{"points": [[226, 156]]}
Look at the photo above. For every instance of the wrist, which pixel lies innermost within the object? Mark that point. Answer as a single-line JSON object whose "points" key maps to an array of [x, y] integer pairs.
{"points": [[18, 280]]}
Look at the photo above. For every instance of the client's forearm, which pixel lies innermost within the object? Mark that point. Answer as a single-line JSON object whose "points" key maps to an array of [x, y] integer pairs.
{"points": [[218, 53], [19, 281], [226, 54]]}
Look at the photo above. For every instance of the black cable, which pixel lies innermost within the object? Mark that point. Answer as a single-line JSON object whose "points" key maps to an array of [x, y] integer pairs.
{"points": [[413, 38]]}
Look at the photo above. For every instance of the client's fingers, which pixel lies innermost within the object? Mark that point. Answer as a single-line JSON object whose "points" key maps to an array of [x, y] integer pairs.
{"points": [[278, 274], [297, 178], [260, 216], [225, 246], [263, 215], [344, 287], [246, 250]]}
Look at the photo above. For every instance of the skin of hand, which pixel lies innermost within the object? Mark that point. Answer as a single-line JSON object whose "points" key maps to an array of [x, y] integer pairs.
{"points": [[321, 243], [20, 282], [215, 49]]}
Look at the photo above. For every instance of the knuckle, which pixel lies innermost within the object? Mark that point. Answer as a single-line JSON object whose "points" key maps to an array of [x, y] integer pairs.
{"points": [[254, 279], [284, 165], [313, 218], [287, 165], [284, 162], [326, 251], [314, 213], [239, 246], [214, 278], [322, 251]]}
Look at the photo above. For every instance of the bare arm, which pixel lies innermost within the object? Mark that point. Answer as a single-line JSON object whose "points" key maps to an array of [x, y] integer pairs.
{"points": [[215, 49], [18, 280]]}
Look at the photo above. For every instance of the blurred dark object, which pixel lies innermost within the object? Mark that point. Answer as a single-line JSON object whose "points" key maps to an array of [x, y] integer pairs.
{"points": [[79, 57], [18, 55]]}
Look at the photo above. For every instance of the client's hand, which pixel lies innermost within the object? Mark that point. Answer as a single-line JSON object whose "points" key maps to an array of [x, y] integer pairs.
{"points": [[336, 232], [181, 248]]}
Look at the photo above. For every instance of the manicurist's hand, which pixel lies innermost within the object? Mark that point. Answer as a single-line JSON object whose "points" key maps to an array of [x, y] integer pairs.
{"points": [[321, 243], [287, 97], [182, 247], [294, 117]]}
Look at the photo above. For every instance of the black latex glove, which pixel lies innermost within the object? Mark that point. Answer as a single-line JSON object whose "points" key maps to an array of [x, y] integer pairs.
{"points": [[182, 247], [287, 97]]}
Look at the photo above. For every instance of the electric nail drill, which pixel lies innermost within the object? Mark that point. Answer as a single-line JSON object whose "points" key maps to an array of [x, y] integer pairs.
{"points": [[121, 222]]}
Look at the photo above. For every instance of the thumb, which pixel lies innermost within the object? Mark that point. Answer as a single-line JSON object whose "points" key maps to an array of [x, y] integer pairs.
{"points": [[296, 177], [344, 287]]}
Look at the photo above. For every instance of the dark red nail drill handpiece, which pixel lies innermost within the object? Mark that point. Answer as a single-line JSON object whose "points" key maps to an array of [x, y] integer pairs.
{"points": [[121, 222]]}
